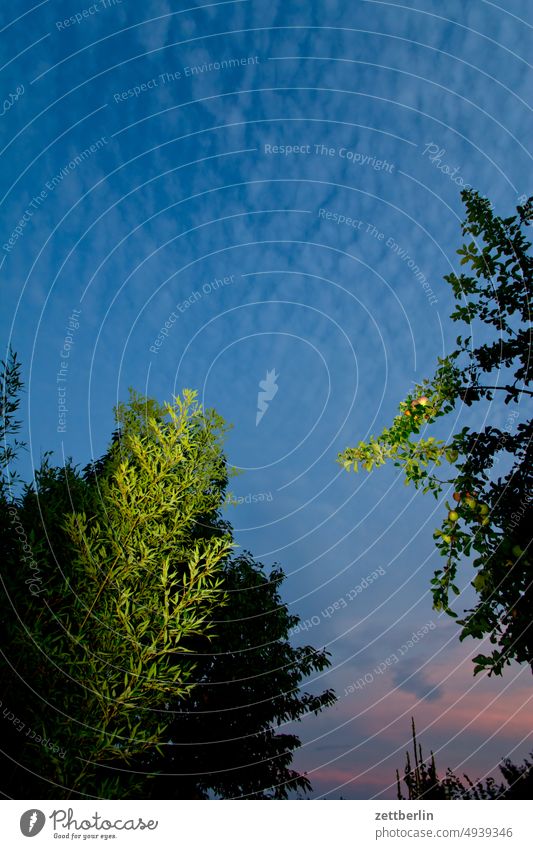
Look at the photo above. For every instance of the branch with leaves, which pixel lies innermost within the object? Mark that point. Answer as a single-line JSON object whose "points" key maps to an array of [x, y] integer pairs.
{"points": [[490, 517], [131, 580]]}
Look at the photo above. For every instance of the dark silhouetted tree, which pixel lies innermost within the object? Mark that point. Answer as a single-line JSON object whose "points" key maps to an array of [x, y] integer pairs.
{"points": [[134, 645], [227, 736], [490, 516], [422, 781]]}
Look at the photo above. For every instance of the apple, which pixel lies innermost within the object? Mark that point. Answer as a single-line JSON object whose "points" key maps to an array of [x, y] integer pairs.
{"points": [[484, 509], [423, 400], [470, 502], [457, 496], [446, 538], [453, 516]]}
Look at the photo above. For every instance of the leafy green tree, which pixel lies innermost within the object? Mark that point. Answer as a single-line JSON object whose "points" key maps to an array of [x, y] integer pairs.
{"points": [[223, 738], [130, 627], [489, 517], [102, 643], [423, 782], [10, 389]]}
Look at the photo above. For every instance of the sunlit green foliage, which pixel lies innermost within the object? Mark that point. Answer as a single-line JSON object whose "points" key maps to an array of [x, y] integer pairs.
{"points": [[489, 517], [124, 584]]}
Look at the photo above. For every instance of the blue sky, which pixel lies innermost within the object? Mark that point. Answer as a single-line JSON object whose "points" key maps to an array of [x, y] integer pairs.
{"points": [[200, 161]]}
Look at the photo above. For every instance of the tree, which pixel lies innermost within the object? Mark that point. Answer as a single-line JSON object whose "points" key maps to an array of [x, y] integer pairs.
{"points": [[490, 516], [10, 389], [100, 646], [132, 545], [422, 781], [223, 736]]}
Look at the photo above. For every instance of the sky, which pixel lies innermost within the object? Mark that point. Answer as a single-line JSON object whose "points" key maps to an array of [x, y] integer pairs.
{"points": [[259, 201]]}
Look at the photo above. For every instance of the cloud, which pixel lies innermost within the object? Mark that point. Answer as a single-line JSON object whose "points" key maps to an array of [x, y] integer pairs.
{"points": [[416, 683]]}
